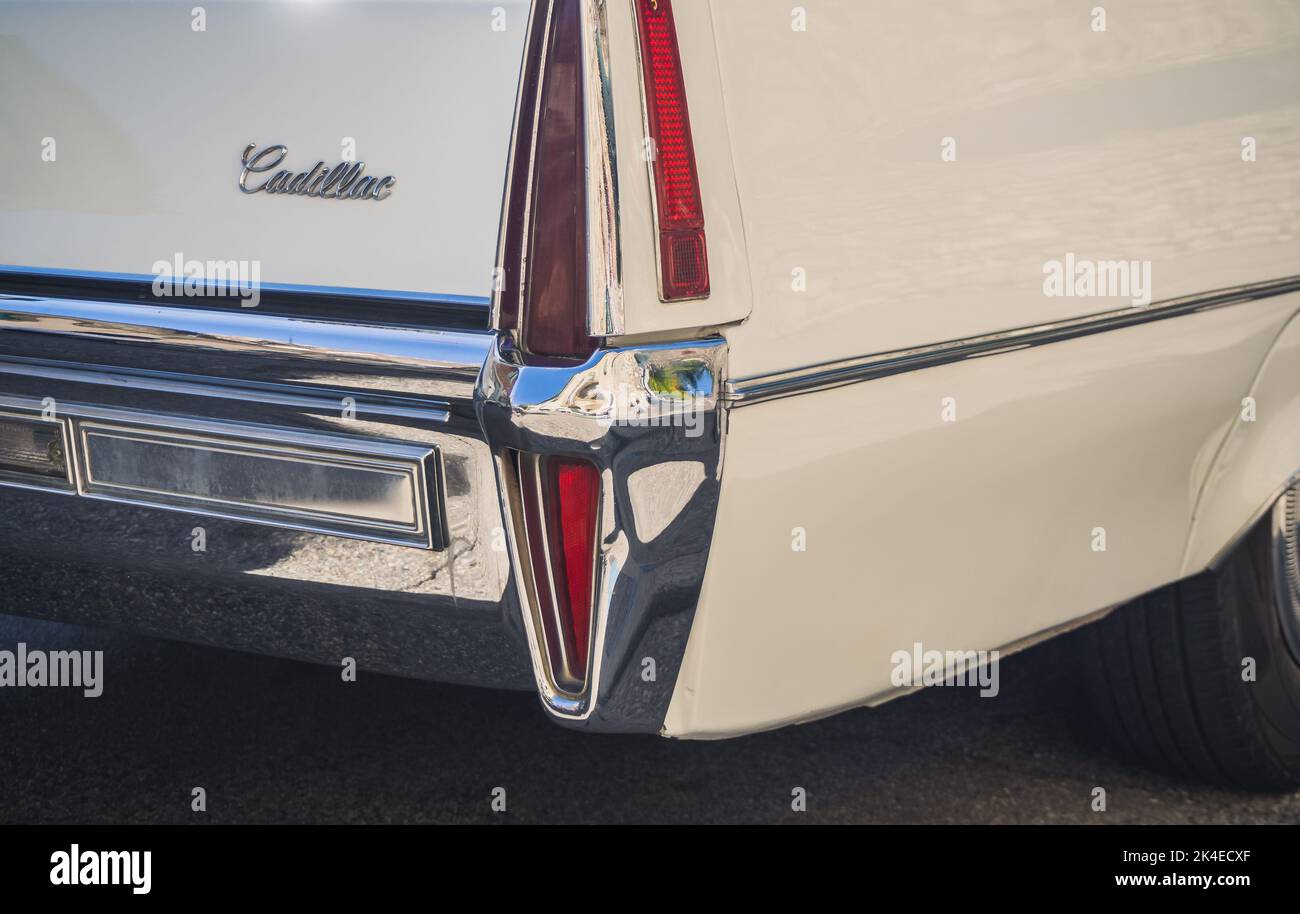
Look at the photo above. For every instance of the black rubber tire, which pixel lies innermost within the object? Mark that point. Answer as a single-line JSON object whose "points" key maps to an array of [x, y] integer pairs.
{"points": [[1166, 675]]}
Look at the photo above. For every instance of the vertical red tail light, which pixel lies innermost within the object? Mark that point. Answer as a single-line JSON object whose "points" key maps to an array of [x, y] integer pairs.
{"points": [[543, 284], [555, 290], [683, 253], [542, 291], [561, 501]]}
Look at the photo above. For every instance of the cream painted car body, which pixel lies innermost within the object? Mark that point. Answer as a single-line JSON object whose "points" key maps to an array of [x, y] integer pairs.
{"points": [[125, 191], [977, 534], [876, 179]]}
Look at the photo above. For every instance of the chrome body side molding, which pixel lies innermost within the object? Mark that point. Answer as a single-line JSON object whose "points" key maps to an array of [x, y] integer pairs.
{"points": [[757, 388]]}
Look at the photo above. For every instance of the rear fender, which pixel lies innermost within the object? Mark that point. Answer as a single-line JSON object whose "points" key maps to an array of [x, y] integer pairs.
{"points": [[1259, 457]]}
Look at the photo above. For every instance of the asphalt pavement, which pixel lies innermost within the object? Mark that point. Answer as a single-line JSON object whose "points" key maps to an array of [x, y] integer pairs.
{"points": [[273, 741]]}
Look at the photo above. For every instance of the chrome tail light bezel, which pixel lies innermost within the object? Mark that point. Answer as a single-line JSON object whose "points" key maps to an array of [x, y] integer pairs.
{"points": [[621, 409], [653, 533]]}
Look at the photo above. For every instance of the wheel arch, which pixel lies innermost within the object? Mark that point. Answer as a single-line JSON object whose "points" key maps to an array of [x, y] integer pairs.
{"points": [[1257, 461]]}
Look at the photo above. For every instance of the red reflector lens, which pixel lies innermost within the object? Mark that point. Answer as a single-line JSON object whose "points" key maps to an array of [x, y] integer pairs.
{"points": [[576, 484], [561, 504], [684, 263]]}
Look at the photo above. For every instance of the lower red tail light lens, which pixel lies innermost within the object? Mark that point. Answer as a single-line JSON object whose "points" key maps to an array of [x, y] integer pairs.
{"points": [[561, 505], [576, 485]]}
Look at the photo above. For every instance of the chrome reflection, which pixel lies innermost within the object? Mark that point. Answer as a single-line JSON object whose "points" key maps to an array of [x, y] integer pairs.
{"points": [[604, 257], [34, 450], [659, 493], [317, 485], [1286, 565], [412, 388], [349, 487], [459, 353]]}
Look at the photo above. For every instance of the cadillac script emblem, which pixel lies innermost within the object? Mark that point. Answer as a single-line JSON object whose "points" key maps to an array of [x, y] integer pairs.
{"points": [[344, 181]]}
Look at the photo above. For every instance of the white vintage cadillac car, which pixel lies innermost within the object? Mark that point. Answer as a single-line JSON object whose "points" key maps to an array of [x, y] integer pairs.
{"points": [[706, 366]]}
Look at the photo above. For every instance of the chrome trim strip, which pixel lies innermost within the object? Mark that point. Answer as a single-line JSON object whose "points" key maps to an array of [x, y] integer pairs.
{"points": [[430, 298], [460, 352], [306, 399], [826, 375], [605, 316]]}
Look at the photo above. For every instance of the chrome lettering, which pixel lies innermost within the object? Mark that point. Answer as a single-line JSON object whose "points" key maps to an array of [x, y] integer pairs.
{"points": [[342, 182]]}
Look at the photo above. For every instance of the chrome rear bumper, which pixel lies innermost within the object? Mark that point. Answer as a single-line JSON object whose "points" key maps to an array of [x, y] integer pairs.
{"points": [[321, 490], [346, 487]]}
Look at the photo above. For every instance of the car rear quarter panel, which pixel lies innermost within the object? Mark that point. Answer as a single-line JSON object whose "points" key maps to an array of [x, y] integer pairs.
{"points": [[978, 533], [962, 535]]}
